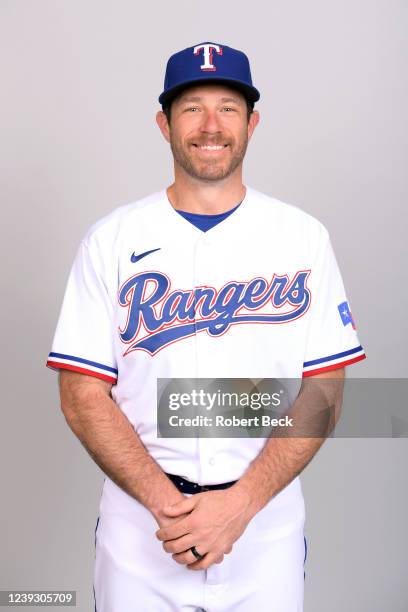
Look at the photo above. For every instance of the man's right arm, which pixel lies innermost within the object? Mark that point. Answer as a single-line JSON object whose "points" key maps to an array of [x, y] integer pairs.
{"points": [[108, 436]]}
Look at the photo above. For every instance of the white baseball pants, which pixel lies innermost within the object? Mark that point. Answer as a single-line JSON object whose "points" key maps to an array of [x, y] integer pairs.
{"points": [[263, 572]]}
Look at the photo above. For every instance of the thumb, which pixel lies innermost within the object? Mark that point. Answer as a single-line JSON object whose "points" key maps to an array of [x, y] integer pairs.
{"points": [[182, 507]]}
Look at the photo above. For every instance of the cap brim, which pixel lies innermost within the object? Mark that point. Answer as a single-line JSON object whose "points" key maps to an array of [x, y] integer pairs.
{"points": [[250, 93]]}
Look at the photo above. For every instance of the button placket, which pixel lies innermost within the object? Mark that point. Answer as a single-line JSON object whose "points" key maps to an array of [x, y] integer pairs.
{"points": [[200, 278]]}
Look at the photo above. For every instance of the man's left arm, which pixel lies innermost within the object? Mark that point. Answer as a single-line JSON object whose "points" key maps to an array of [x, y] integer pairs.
{"points": [[218, 518]]}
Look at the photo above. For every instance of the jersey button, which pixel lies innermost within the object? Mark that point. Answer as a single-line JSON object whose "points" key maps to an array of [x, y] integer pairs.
{"points": [[211, 461]]}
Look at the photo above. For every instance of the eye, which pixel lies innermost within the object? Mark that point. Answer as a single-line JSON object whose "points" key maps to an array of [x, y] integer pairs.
{"points": [[228, 108], [191, 108]]}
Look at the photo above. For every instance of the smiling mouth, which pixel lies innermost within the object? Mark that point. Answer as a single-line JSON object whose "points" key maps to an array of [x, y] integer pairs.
{"points": [[212, 148]]}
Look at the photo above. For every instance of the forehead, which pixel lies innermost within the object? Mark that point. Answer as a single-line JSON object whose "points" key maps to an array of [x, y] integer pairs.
{"points": [[210, 91]]}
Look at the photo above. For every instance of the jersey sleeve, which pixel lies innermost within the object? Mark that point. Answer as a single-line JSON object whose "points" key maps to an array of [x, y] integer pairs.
{"points": [[332, 340], [83, 340]]}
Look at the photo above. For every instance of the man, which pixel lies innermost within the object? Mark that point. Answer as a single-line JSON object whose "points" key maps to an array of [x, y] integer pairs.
{"points": [[206, 279]]}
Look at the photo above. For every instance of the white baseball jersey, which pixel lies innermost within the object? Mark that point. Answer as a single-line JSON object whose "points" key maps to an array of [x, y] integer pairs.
{"points": [[152, 296]]}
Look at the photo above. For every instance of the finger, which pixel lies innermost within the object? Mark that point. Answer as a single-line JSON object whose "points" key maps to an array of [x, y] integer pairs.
{"points": [[187, 557], [180, 544], [205, 563], [174, 531], [182, 507]]}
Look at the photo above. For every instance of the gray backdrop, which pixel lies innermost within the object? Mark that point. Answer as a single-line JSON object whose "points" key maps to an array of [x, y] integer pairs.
{"points": [[80, 80]]}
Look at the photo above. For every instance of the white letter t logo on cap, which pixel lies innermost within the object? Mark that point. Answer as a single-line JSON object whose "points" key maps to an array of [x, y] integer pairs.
{"points": [[208, 55]]}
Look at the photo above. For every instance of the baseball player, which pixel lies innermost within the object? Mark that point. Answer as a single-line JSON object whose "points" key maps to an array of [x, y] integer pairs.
{"points": [[208, 278]]}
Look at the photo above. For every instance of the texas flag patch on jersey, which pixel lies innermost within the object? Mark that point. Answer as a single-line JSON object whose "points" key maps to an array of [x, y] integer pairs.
{"points": [[345, 314]]}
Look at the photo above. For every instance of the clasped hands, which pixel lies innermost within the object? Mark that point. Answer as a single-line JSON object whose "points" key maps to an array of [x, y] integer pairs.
{"points": [[211, 521]]}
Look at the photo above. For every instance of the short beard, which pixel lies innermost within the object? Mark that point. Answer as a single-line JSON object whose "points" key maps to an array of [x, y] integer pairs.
{"points": [[209, 171]]}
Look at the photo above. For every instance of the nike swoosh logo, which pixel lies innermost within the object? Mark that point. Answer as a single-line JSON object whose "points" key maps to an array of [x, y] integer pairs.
{"points": [[134, 258]]}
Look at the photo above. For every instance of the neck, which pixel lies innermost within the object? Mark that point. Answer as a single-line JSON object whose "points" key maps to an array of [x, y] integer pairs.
{"points": [[206, 197]]}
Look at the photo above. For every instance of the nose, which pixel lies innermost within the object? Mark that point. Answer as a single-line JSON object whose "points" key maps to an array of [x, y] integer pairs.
{"points": [[210, 123]]}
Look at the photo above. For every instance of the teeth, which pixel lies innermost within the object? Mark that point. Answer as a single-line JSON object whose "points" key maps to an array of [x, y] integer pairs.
{"points": [[211, 147]]}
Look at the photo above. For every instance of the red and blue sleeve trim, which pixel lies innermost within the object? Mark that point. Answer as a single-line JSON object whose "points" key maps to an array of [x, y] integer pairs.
{"points": [[333, 362], [84, 366]]}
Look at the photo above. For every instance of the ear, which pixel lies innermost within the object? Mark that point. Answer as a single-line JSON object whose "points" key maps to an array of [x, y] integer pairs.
{"points": [[162, 122], [253, 122]]}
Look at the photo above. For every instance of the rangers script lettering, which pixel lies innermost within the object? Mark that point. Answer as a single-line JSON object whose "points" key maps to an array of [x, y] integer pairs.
{"points": [[211, 310]]}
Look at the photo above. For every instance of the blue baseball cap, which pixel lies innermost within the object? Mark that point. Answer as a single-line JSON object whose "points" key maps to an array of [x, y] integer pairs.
{"points": [[208, 62]]}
